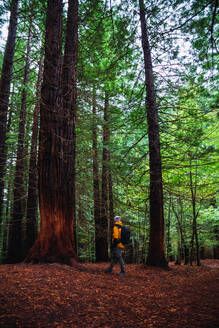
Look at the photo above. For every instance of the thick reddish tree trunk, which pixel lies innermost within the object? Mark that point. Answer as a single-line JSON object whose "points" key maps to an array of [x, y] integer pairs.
{"points": [[32, 198], [156, 255], [5, 82], [55, 242], [15, 245]]}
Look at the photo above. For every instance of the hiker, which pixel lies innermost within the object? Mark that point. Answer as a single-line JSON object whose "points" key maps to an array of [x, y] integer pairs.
{"points": [[117, 247]]}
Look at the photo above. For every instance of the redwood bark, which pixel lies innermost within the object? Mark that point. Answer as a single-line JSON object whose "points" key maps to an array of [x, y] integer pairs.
{"points": [[5, 83], [69, 82], [15, 245], [156, 255], [32, 198], [101, 239], [55, 242]]}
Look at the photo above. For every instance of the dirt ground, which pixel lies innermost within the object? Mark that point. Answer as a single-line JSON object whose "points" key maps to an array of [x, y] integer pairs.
{"points": [[54, 295]]}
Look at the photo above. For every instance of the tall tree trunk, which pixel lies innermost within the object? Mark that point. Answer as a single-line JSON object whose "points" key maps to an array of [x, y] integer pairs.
{"points": [[168, 232], [15, 245], [4, 214], [70, 98], [8, 209], [8, 197], [156, 255], [5, 83], [178, 257], [69, 82], [96, 189], [111, 208], [194, 223], [32, 198], [55, 242], [102, 242], [191, 255]]}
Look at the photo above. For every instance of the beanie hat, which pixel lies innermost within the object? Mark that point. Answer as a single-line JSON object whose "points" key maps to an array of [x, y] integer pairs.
{"points": [[117, 218]]}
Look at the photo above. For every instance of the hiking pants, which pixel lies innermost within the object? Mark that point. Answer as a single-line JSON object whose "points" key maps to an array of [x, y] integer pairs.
{"points": [[116, 256]]}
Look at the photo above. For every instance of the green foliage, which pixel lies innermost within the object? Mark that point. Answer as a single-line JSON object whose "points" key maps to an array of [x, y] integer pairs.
{"points": [[208, 226]]}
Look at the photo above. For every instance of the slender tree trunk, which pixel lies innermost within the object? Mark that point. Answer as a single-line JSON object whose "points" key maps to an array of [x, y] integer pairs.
{"points": [[156, 255], [55, 242], [197, 242], [191, 255], [15, 246], [168, 233], [110, 194], [4, 214], [186, 254], [179, 249], [194, 225], [7, 213], [146, 235], [32, 198], [181, 242], [96, 189], [102, 242], [111, 209], [9, 196], [5, 83]]}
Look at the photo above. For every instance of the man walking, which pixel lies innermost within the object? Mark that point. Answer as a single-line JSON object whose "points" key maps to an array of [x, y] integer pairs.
{"points": [[117, 247]]}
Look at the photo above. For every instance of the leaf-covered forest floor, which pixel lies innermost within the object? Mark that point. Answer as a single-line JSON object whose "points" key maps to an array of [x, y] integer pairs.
{"points": [[54, 295]]}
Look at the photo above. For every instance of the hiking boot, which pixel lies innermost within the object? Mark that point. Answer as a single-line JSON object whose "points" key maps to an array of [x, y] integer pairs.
{"points": [[109, 270], [121, 274]]}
